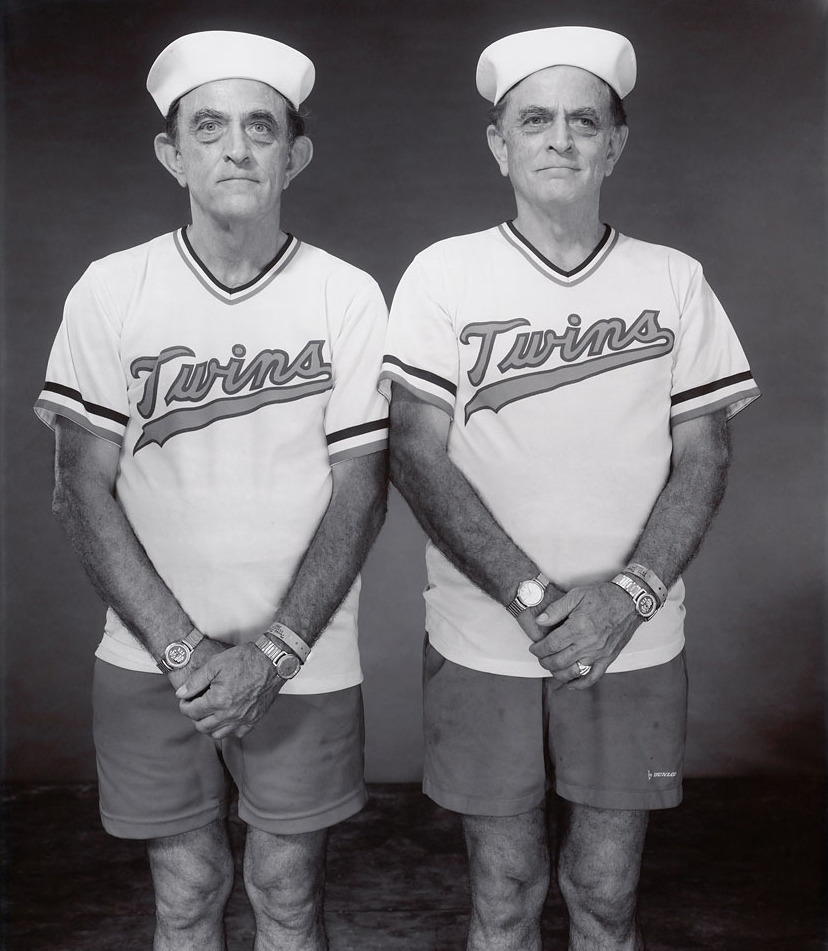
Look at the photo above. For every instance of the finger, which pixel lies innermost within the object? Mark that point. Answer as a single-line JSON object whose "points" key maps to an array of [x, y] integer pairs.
{"points": [[599, 668], [558, 610], [553, 643], [196, 683]]}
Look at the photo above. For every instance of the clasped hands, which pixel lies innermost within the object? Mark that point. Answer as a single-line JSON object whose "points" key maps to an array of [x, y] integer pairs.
{"points": [[589, 624], [225, 690]]}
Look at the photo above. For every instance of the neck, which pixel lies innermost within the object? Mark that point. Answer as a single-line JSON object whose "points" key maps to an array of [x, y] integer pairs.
{"points": [[235, 252], [566, 235]]}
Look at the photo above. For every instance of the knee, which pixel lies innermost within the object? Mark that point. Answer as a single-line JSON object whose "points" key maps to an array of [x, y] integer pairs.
{"points": [[611, 900], [504, 896], [293, 902], [194, 892]]}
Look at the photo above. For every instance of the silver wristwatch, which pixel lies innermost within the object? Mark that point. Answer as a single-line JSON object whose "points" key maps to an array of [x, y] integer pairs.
{"points": [[178, 654], [529, 595], [645, 604], [287, 664]]}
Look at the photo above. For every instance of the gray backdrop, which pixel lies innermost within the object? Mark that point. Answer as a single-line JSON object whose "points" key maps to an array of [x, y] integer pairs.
{"points": [[724, 161]]}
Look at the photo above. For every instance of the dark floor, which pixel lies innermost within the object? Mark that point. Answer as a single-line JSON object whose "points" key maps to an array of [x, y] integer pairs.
{"points": [[739, 867]]}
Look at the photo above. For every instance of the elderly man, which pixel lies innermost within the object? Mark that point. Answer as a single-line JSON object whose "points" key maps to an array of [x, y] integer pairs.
{"points": [[559, 427], [221, 470]]}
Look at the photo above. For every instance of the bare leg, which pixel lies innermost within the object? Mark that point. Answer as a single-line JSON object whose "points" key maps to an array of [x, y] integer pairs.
{"points": [[509, 875], [193, 877], [285, 880], [599, 864]]}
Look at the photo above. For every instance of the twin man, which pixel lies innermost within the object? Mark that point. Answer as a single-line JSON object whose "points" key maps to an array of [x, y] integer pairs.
{"points": [[559, 396]]}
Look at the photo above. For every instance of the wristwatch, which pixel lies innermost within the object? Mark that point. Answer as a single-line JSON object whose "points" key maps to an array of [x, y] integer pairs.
{"points": [[645, 604], [529, 595], [178, 654], [286, 663]]}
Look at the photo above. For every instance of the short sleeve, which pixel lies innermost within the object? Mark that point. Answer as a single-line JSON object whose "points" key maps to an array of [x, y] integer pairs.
{"points": [[84, 377], [421, 346], [356, 419], [710, 369]]}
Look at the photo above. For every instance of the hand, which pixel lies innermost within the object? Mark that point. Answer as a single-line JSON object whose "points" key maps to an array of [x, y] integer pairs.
{"points": [[231, 692], [590, 625], [206, 649], [527, 618]]}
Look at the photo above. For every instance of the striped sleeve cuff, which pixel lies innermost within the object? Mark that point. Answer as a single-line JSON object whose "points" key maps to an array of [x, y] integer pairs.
{"points": [[429, 387], [732, 393], [58, 400], [358, 440]]}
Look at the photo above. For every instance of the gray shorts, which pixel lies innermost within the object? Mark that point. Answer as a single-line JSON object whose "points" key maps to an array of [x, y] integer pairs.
{"points": [[298, 770], [493, 743]]}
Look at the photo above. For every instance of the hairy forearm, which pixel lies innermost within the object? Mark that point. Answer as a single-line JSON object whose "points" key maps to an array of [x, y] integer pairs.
{"points": [[339, 547], [117, 564], [687, 504], [453, 515]]}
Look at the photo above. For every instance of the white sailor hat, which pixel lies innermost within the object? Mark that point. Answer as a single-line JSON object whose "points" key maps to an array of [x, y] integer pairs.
{"points": [[199, 58], [506, 62]]}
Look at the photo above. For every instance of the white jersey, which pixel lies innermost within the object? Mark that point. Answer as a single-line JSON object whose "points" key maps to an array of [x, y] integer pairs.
{"points": [[562, 388], [230, 407]]}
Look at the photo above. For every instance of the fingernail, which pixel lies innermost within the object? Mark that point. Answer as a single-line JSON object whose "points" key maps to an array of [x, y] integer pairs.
{"points": [[542, 617], [181, 691]]}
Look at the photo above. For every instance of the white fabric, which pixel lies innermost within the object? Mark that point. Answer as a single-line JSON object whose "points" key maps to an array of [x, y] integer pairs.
{"points": [[200, 58], [562, 389], [506, 62], [230, 408]]}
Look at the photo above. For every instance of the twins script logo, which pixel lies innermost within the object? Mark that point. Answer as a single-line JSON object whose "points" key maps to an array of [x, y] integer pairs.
{"points": [[603, 346], [244, 386]]}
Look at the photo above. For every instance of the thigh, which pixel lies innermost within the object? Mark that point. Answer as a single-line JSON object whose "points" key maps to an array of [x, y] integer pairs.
{"points": [[483, 735], [620, 744], [300, 769], [157, 775]]}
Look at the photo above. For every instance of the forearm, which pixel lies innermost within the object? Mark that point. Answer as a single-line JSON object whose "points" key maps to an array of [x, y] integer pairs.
{"points": [[339, 546], [454, 516], [686, 505], [118, 566]]}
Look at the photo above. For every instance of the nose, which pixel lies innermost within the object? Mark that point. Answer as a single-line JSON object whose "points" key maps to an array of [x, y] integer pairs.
{"points": [[559, 137], [236, 144]]}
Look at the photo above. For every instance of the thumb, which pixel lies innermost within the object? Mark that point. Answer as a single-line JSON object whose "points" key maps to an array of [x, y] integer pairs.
{"points": [[196, 683], [558, 610]]}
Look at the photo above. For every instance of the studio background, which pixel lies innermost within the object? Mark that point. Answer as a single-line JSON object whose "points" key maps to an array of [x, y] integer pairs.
{"points": [[724, 161]]}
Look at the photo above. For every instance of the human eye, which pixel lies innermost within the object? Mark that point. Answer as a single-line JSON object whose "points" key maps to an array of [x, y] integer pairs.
{"points": [[534, 120]]}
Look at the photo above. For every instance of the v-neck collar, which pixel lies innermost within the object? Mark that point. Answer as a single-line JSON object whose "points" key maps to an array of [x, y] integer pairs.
{"points": [[566, 278], [234, 295]]}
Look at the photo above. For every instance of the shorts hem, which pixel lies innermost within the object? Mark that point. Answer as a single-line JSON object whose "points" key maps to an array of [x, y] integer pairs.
{"points": [[161, 828], [481, 805], [313, 822], [621, 798]]}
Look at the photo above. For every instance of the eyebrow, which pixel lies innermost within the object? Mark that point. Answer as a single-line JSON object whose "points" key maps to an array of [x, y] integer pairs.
{"points": [[257, 115], [585, 112]]}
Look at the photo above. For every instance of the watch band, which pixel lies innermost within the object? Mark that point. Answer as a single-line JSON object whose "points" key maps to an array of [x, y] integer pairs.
{"points": [[651, 579], [287, 664], [516, 606], [177, 654], [290, 639], [645, 603]]}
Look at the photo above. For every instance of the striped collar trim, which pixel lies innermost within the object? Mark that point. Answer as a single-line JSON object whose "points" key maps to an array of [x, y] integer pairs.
{"points": [[548, 269], [234, 295]]}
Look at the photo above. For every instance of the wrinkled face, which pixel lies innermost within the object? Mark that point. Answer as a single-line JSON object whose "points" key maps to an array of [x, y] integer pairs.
{"points": [[233, 151], [556, 141]]}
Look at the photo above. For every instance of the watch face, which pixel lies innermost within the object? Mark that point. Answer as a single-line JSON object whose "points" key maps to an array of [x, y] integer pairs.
{"points": [[646, 605], [530, 593], [177, 654], [288, 666]]}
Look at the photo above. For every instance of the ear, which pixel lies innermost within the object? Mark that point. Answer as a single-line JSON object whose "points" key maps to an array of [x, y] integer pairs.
{"points": [[301, 153], [618, 139], [169, 156], [498, 148]]}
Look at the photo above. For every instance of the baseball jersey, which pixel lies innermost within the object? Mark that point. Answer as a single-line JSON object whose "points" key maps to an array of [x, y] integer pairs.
{"points": [[230, 407], [562, 388]]}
